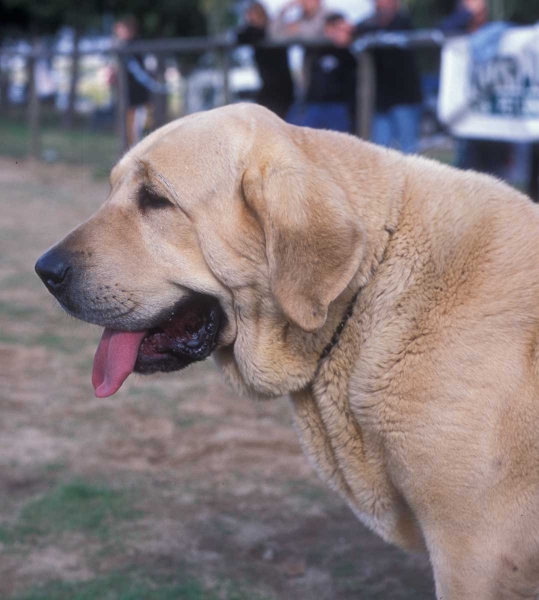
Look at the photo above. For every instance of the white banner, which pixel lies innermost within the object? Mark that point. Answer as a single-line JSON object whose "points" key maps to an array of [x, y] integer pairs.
{"points": [[492, 92]]}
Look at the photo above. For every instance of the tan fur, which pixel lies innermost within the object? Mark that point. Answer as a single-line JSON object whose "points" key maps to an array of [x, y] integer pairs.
{"points": [[425, 416]]}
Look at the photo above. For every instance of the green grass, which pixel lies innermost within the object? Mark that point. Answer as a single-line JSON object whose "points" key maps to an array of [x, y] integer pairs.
{"points": [[54, 467], [6, 536], [80, 146], [119, 587], [59, 343], [190, 420], [443, 155], [6, 338], [16, 311], [23, 279], [344, 570], [97, 511], [55, 342], [127, 586], [48, 340], [306, 491], [152, 391], [75, 506], [99, 149]]}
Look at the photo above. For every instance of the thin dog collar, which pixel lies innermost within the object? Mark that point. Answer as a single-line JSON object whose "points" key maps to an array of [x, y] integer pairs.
{"points": [[340, 327]]}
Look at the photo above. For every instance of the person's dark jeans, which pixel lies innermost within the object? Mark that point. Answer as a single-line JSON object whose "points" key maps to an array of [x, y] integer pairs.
{"points": [[322, 115], [398, 127], [485, 156], [279, 107]]}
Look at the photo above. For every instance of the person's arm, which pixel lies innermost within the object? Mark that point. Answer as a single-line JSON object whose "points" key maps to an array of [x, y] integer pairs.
{"points": [[402, 22], [369, 25], [312, 29], [250, 35], [279, 27]]}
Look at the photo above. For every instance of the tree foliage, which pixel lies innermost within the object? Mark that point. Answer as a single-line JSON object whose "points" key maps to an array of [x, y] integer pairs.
{"points": [[156, 17], [162, 17], [524, 12], [428, 13], [13, 18], [47, 16]]}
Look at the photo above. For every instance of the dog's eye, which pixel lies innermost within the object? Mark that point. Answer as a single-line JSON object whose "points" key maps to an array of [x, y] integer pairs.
{"points": [[148, 199]]}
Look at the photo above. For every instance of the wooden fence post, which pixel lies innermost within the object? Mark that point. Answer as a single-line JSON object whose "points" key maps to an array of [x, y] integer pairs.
{"points": [[533, 188], [122, 105], [160, 100], [34, 149], [365, 94], [225, 57], [4, 83], [68, 119]]}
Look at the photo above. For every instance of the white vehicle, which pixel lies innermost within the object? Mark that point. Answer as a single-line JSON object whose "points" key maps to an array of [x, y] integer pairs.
{"points": [[205, 86]]}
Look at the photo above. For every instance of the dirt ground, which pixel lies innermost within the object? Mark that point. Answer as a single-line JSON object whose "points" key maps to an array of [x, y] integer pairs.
{"points": [[173, 489]]}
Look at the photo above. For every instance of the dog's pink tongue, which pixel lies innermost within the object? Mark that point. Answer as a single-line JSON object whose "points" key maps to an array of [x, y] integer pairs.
{"points": [[114, 360]]}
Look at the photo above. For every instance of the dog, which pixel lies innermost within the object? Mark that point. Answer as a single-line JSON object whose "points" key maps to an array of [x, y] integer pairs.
{"points": [[394, 299]]}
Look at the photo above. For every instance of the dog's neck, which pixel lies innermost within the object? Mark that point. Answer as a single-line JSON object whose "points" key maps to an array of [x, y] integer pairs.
{"points": [[348, 313], [340, 327], [379, 209], [329, 431]]}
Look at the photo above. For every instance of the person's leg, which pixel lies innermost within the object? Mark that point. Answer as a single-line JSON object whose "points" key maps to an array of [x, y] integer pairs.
{"points": [[314, 116], [534, 173], [337, 117], [406, 121], [296, 114], [381, 129], [519, 172], [130, 125], [324, 115], [280, 108], [462, 153], [139, 120]]}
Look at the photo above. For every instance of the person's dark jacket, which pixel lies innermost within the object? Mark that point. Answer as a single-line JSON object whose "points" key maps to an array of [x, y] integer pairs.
{"points": [[137, 93], [397, 75], [277, 92], [457, 22], [332, 76]]}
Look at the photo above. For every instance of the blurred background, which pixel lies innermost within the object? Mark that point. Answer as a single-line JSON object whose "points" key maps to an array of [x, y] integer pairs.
{"points": [[176, 488]]}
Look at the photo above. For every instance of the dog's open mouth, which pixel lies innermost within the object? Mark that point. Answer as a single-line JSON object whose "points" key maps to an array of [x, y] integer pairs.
{"points": [[187, 334]]}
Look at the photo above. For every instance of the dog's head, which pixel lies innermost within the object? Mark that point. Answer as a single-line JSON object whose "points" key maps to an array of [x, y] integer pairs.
{"points": [[224, 232]]}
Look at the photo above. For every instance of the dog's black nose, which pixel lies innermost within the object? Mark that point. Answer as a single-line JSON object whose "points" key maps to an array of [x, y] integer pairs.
{"points": [[52, 268]]}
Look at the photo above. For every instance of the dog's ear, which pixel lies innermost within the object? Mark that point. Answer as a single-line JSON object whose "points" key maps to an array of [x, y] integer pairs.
{"points": [[314, 242]]}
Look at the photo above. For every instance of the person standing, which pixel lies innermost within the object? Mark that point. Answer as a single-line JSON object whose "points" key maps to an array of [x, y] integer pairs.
{"points": [[468, 17], [398, 87], [471, 17], [329, 99], [277, 91], [138, 95], [301, 19]]}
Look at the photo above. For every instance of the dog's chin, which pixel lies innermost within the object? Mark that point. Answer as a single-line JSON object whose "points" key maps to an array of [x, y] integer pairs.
{"points": [[188, 333]]}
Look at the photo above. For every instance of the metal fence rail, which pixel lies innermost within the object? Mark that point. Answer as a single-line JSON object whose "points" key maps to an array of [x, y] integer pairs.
{"points": [[223, 46]]}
